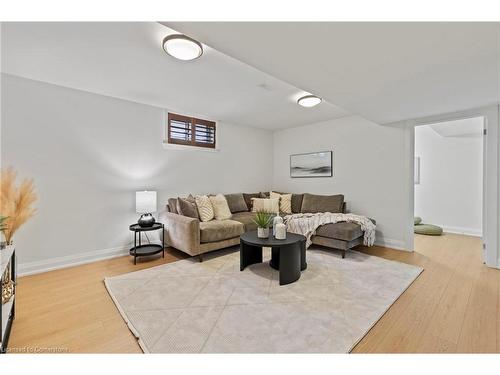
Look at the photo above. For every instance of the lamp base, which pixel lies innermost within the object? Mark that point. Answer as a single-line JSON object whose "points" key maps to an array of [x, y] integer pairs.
{"points": [[146, 220]]}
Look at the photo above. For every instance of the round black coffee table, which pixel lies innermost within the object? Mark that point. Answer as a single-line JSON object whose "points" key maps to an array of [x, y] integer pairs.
{"points": [[288, 256], [150, 248]]}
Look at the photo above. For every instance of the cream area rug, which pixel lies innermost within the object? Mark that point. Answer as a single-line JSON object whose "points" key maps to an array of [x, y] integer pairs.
{"points": [[212, 307]]}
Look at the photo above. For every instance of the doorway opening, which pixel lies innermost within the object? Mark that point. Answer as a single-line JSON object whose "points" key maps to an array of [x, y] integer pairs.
{"points": [[448, 181]]}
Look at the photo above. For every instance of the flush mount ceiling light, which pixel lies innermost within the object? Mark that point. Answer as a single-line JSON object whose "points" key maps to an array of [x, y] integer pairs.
{"points": [[182, 47], [309, 101]]}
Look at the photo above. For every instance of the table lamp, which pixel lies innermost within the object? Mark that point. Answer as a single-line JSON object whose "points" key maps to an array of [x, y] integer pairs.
{"points": [[145, 204]]}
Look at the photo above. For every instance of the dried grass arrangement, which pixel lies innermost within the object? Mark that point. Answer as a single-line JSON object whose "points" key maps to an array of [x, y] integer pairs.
{"points": [[16, 202]]}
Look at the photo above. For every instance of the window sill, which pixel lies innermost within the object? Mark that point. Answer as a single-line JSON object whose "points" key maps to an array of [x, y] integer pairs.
{"points": [[169, 146]]}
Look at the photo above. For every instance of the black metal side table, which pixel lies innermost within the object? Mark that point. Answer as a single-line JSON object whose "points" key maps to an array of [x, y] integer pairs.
{"points": [[149, 249]]}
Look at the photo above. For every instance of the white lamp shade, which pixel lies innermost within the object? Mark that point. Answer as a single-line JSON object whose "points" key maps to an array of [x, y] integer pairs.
{"points": [[145, 202]]}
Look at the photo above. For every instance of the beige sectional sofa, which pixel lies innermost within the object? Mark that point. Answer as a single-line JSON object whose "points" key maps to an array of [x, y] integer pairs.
{"points": [[196, 237]]}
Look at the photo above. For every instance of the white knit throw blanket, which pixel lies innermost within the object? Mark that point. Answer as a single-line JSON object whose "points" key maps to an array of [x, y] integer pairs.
{"points": [[306, 224]]}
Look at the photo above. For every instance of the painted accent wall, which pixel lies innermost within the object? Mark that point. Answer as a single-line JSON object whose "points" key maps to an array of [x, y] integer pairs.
{"points": [[451, 179], [368, 168], [89, 153]]}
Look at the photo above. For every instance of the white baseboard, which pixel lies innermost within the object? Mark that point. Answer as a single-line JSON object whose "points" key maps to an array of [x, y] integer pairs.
{"points": [[391, 243], [31, 268], [462, 230]]}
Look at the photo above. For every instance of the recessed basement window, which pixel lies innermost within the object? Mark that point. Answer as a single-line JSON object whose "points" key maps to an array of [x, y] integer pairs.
{"points": [[190, 131]]}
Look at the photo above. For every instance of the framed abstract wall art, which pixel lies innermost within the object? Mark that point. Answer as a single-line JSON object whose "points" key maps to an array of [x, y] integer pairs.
{"points": [[314, 164]]}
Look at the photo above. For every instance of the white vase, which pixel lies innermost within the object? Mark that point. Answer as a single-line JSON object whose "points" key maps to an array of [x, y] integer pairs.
{"points": [[263, 232], [277, 220], [280, 231]]}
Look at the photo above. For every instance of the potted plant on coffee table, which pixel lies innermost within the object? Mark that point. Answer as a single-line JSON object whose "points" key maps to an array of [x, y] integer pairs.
{"points": [[263, 220]]}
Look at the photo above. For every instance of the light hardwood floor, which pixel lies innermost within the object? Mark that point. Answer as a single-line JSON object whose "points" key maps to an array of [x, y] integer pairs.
{"points": [[453, 306]]}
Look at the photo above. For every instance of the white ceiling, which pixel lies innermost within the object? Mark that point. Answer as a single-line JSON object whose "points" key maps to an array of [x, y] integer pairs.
{"points": [[469, 127], [383, 71], [125, 60]]}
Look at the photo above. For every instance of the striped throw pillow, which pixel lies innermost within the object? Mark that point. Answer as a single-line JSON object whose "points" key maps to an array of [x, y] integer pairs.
{"points": [[271, 206], [285, 201], [205, 209]]}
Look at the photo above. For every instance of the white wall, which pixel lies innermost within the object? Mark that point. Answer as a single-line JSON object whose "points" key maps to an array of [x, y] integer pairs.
{"points": [[451, 179], [88, 154], [491, 191], [369, 168]]}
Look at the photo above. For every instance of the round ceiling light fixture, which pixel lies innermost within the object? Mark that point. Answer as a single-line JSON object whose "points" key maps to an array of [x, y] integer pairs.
{"points": [[309, 101], [182, 47]]}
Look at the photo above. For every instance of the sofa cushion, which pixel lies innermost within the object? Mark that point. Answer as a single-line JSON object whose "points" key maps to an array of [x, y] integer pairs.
{"points": [[220, 207], [186, 207], [341, 231], [297, 202], [236, 202], [246, 218], [322, 203], [219, 230], [172, 205], [205, 208], [248, 199], [270, 205], [285, 201]]}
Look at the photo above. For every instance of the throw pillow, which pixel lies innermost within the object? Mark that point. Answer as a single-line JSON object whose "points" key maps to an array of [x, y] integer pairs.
{"points": [[186, 207], [285, 201], [271, 205], [248, 199], [296, 201], [322, 203], [172, 205], [220, 206], [205, 208], [236, 203]]}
